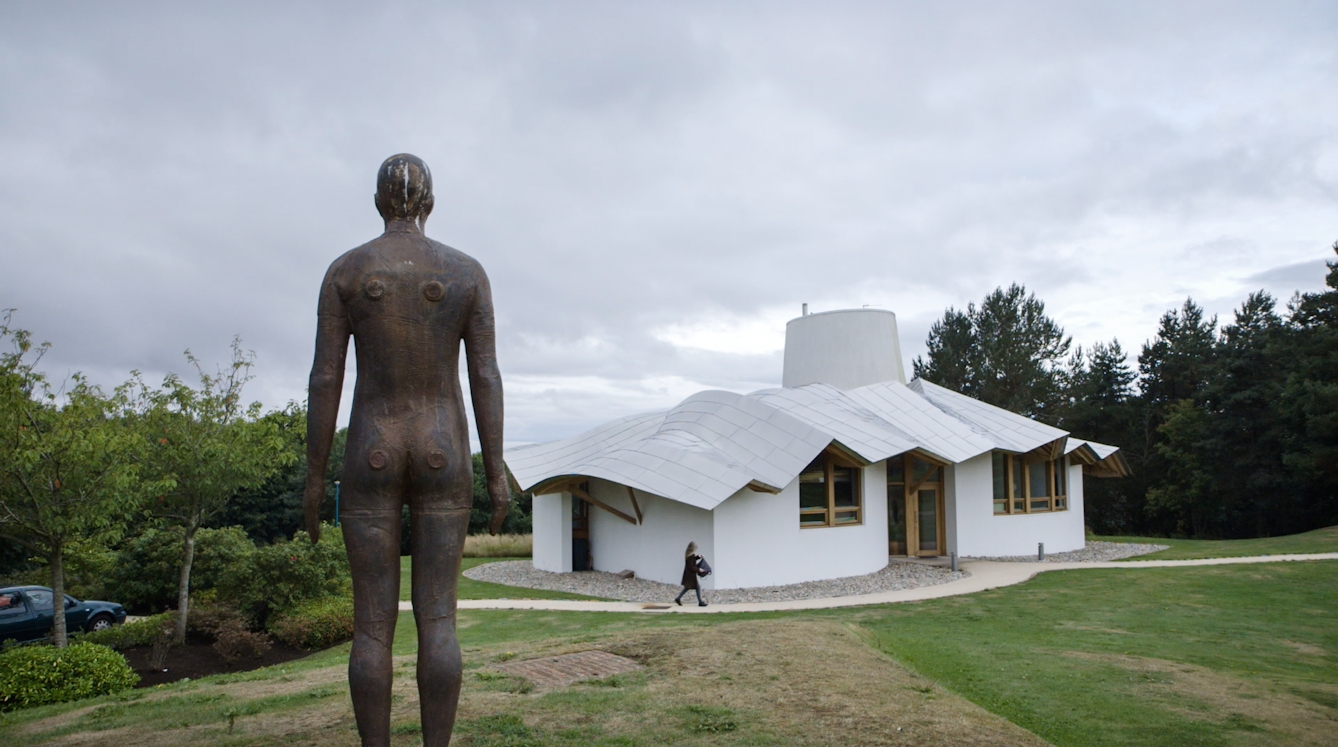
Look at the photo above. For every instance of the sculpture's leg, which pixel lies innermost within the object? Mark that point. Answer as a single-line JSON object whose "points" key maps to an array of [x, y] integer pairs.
{"points": [[373, 541], [438, 537]]}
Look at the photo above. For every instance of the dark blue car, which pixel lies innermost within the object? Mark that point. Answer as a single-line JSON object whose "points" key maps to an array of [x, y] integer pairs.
{"points": [[26, 614]]}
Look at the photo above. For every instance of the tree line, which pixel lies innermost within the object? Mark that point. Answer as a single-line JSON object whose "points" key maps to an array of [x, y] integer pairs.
{"points": [[83, 470], [1231, 430]]}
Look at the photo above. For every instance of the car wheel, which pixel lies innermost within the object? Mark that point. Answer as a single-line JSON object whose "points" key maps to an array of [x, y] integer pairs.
{"points": [[101, 622]]}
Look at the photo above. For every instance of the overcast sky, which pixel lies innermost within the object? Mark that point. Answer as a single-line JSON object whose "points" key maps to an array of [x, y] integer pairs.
{"points": [[654, 188]]}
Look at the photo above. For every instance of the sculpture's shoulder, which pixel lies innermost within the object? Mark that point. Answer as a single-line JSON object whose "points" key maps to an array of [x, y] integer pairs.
{"points": [[350, 262], [459, 260]]}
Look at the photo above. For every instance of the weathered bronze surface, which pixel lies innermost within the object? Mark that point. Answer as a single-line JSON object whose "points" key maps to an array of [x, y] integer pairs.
{"points": [[407, 301]]}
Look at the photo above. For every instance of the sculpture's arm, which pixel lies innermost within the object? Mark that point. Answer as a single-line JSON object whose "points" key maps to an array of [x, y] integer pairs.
{"points": [[326, 384], [485, 388]]}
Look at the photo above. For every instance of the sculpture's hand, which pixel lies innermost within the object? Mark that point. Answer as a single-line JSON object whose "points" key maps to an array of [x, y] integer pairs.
{"points": [[501, 503], [311, 506]]}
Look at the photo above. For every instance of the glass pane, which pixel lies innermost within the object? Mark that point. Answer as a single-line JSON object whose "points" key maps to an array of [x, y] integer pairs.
{"points": [[813, 519], [921, 470], [1018, 484], [11, 603], [896, 470], [1001, 507], [1019, 505], [928, 519], [845, 487], [847, 517], [40, 598], [1039, 485], [1060, 474], [1061, 503], [813, 486], [1000, 480], [1040, 504], [896, 519]]}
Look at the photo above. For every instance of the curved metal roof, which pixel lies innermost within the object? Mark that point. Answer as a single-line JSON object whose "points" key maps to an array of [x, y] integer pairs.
{"points": [[714, 443]]}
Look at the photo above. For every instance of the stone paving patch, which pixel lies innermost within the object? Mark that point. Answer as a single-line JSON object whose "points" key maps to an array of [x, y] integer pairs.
{"points": [[557, 671]]}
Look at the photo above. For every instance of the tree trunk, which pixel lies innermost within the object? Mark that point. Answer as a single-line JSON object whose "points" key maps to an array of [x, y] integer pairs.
{"points": [[57, 559], [183, 586]]}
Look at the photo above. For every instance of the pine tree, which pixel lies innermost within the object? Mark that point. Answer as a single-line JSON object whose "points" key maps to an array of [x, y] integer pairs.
{"points": [[1006, 352]]}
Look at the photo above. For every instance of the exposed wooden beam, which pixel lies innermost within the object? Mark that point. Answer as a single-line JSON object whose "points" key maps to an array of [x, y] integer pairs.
{"points": [[762, 487], [579, 493], [631, 493]]}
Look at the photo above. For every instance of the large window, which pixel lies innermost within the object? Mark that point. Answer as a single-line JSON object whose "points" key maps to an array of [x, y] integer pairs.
{"points": [[1026, 486], [829, 493]]}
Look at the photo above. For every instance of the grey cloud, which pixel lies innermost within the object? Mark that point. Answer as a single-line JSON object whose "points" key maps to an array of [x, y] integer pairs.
{"points": [[178, 174]]}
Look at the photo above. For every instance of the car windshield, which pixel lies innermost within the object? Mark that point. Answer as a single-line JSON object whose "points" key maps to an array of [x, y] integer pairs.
{"points": [[40, 598]]}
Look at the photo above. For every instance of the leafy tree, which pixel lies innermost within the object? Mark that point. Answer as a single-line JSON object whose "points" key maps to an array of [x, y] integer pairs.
{"points": [[1309, 400], [146, 565], [518, 519], [1100, 404], [1244, 434], [210, 446], [68, 469], [1174, 367], [1007, 352], [272, 511], [1185, 495]]}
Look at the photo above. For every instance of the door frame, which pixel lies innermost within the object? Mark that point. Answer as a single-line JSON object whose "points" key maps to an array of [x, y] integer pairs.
{"points": [[913, 521], [911, 507]]}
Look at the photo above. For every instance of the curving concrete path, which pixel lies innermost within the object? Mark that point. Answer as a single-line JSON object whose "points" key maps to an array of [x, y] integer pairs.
{"points": [[985, 575]]}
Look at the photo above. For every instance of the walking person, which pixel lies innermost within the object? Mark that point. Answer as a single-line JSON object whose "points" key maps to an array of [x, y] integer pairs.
{"points": [[694, 565]]}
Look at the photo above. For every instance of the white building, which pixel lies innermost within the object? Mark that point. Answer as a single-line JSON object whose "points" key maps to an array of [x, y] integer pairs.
{"points": [[825, 477]]}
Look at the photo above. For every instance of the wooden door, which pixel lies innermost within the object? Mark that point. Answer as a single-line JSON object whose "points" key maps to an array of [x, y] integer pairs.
{"points": [[924, 509]]}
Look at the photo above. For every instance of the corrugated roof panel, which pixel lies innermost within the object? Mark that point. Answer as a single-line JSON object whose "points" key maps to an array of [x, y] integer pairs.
{"points": [[714, 443], [1007, 430]]}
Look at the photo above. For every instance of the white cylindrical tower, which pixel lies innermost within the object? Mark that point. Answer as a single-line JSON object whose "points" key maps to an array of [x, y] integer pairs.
{"points": [[846, 349]]}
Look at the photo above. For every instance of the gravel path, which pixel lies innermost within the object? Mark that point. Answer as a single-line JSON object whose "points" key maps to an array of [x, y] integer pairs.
{"points": [[897, 575], [1094, 552]]}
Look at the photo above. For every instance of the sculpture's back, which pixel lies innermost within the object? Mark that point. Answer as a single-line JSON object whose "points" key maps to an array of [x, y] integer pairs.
{"points": [[408, 302]]}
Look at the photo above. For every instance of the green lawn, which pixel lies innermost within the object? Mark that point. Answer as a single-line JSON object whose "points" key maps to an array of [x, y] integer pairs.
{"points": [[1319, 540], [1176, 656], [1225, 655], [470, 589]]}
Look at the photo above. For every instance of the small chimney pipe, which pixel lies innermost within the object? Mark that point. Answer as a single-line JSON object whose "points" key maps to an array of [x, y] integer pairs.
{"points": [[805, 310]]}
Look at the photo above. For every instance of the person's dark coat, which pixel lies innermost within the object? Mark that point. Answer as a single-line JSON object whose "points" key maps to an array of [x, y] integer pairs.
{"points": [[690, 572]]}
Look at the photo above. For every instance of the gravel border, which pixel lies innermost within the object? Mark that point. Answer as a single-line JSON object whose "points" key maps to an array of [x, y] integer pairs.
{"points": [[1094, 552], [899, 574]]}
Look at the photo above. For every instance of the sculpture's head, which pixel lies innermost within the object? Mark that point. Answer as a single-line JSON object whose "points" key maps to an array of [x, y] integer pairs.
{"points": [[404, 189]]}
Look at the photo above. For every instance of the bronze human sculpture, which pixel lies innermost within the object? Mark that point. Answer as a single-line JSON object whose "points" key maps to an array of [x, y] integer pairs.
{"points": [[408, 302]]}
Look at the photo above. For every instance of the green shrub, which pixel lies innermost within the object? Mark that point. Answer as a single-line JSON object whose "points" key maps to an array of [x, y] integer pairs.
{"points": [[148, 567], [319, 623], [37, 675], [280, 577], [130, 635]]}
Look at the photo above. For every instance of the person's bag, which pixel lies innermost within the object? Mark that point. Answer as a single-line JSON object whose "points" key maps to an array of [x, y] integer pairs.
{"points": [[703, 569]]}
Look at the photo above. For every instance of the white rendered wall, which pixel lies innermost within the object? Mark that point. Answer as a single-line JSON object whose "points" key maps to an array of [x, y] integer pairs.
{"points": [[653, 549], [950, 509], [847, 349], [552, 532], [979, 533], [758, 541]]}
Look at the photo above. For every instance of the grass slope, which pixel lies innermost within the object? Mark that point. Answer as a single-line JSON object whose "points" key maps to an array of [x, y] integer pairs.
{"points": [[1175, 656], [1319, 540], [1230, 655]]}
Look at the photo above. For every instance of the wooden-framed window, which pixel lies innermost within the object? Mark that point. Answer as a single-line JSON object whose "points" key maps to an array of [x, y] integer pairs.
{"points": [[1023, 486], [830, 493]]}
